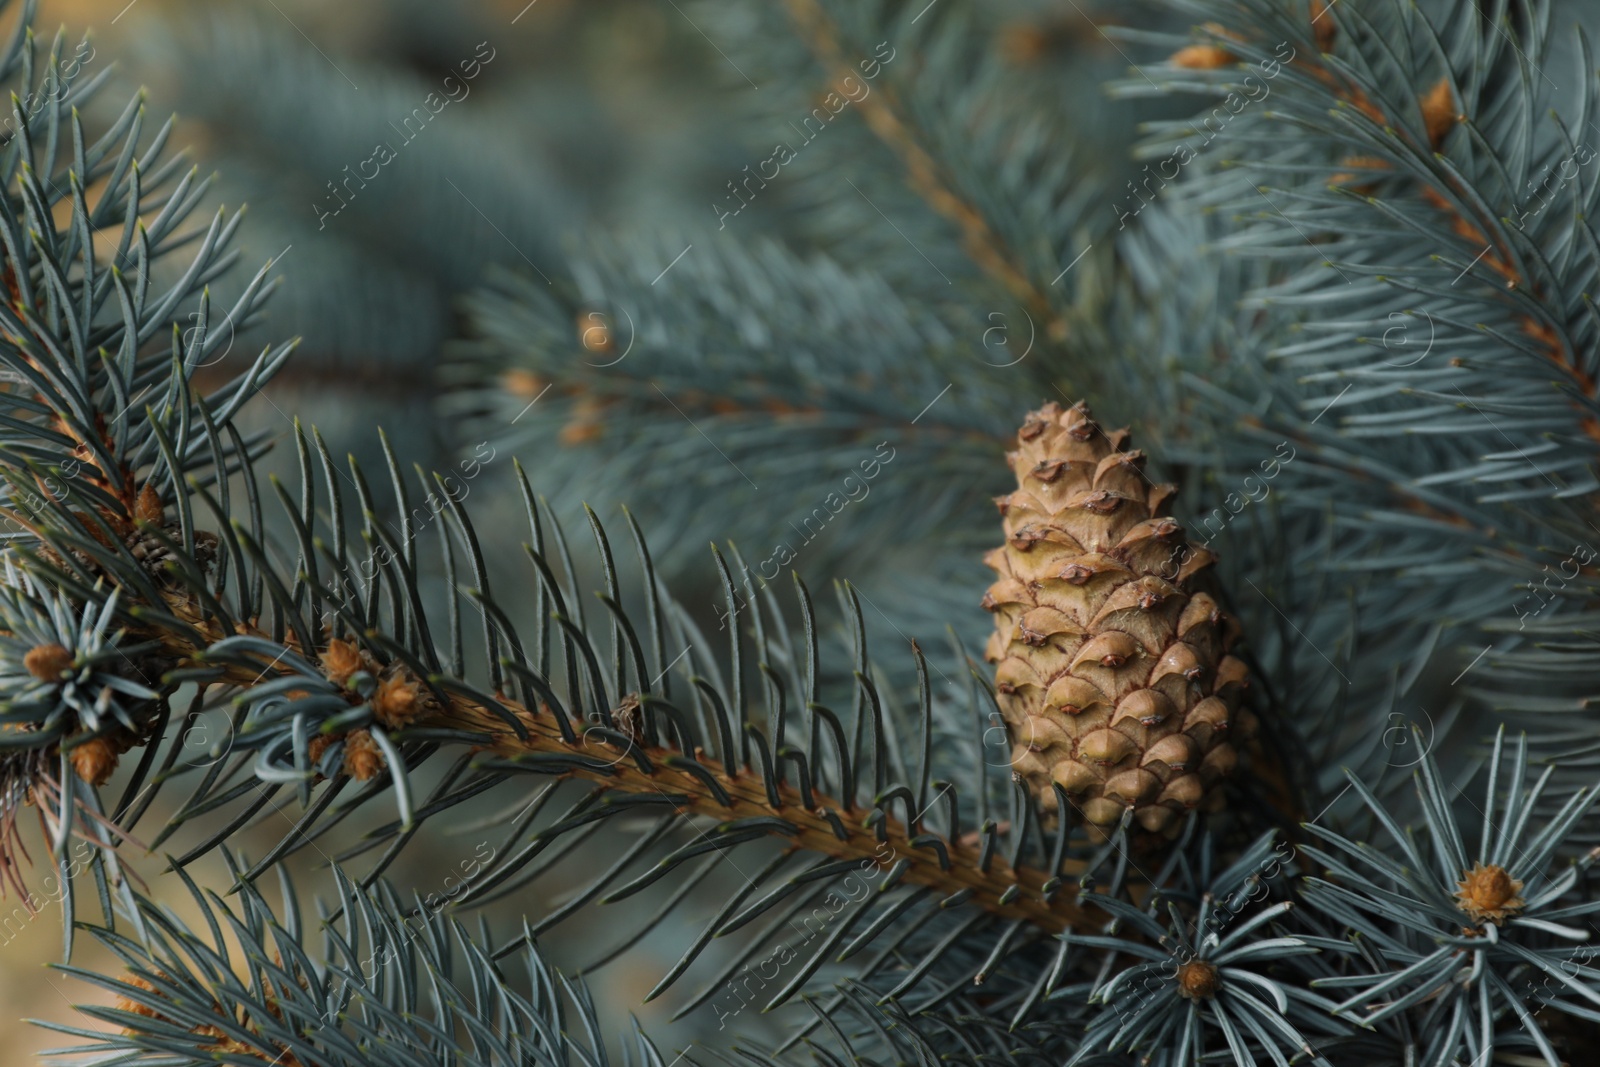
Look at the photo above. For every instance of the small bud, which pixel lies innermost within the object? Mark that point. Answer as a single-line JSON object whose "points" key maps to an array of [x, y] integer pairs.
{"points": [[47, 662], [148, 507], [586, 424], [363, 759], [396, 702], [134, 1007], [340, 661], [523, 383], [1198, 980], [1439, 112], [1024, 43], [318, 745], [1488, 893], [95, 760], [1202, 57]]}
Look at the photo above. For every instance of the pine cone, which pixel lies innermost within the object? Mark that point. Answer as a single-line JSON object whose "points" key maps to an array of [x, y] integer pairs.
{"points": [[155, 556], [1113, 673], [145, 547]]}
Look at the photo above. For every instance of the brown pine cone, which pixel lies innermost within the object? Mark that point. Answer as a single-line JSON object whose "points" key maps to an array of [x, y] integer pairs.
{"points": [[1113, 673]]}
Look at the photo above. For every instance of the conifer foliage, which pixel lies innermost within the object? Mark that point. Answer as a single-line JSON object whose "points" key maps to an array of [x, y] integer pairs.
{"points": [[1288, 772]]}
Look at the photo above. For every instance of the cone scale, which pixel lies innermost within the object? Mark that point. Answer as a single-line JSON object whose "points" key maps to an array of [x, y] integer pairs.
{"points": [[1112, 666]]}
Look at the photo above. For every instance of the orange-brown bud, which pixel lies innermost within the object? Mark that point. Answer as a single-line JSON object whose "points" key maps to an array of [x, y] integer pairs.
{"points": [[95, 760], [1439, 112], [1203, 57], [363, 759], [395, 703], [47, 662], [341, 660], [148, 507], [1487, 893], [1198, 980]]}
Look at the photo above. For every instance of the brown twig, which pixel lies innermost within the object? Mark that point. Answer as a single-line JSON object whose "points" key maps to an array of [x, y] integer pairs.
{"points": [[1010, 893], [883, 114], [592, 415]]}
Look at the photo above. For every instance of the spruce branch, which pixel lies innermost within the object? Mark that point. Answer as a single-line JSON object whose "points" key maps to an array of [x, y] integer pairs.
{"points": [[334, 677], [393, 981], [1421, 125], [887, 118], [618, 382], [1012, 234], [348, 684], [956, 869], [103, 263], [1442, 124], [1211, 971], [1441, 442], [508, 736], [1497, 905], [511, 737]]}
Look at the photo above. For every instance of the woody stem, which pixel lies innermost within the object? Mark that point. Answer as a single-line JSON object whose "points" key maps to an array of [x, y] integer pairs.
{"points": [[957, 868]]}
